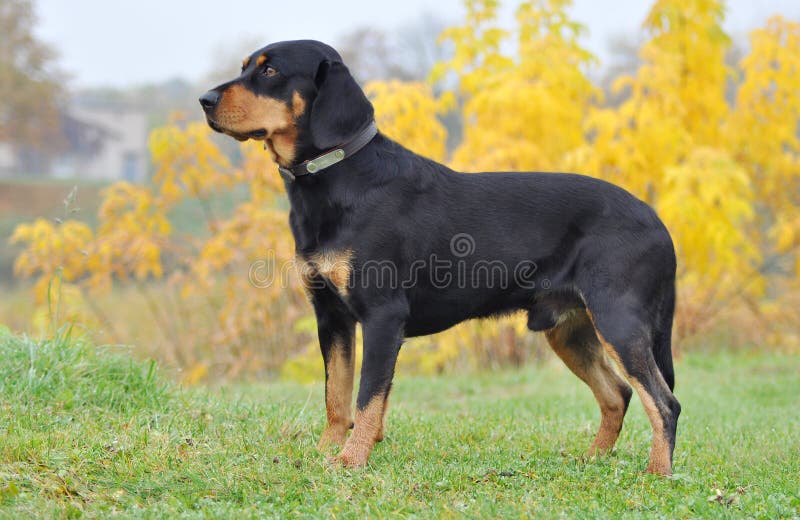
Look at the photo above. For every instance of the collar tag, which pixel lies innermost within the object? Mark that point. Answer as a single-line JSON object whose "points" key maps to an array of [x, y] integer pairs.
{"points": [[325, 161], [286, 174], [328, 159]]}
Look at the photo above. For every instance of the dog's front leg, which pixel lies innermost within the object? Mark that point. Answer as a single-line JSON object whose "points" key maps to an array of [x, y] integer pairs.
{"points": [[336, 328], [383, 334]]}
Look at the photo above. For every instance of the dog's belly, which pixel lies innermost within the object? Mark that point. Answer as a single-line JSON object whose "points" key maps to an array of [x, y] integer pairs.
{"points": [[430, 324], [432, 312], [422, 323]]}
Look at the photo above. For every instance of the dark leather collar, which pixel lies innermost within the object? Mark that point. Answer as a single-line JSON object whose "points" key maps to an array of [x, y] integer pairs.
{"points": [[338, 154]]}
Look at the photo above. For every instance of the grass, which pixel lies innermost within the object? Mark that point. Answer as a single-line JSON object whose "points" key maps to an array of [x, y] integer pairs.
{"points": [[87, 430]]}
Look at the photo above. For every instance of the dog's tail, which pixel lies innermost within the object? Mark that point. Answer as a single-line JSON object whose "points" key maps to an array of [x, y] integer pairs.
{"points": [[662, 339]]}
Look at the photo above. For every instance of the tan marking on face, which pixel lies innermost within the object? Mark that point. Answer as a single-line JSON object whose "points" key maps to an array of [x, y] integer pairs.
{"points": [[261, 59], [282, 145], [338, 395], [241, 112], [365, 434], [298, 104], [593, 367], [334, 266], [660, 463], [245, 62]]}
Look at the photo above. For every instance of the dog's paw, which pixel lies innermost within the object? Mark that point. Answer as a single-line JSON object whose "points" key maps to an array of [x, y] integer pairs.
{"points": [[332, 436], [595, 452], [350, 458], [659, 469]]}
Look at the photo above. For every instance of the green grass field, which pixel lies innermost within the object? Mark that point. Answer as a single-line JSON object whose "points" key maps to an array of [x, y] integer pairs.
{"points": [[87, 430]]}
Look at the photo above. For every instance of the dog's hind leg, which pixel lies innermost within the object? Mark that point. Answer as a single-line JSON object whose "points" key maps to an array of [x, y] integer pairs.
{"points": [[629, 340], [574, 340]]}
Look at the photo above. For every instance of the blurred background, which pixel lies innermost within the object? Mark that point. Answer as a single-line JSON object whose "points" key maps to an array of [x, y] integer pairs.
{"points": [[122, 216]]}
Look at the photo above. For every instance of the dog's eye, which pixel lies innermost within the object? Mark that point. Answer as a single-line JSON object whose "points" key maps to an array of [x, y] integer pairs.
{"points": [[269, 71]]}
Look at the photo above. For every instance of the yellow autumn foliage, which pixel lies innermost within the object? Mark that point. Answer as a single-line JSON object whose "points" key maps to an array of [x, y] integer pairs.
{"points": [[407, 113], [724, 176], [763, 132], [187, 162], [511, 105], [55, 250]]}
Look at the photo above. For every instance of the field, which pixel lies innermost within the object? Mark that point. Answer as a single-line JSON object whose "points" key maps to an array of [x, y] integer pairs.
{"points": [[215, 408], [88, 430]]}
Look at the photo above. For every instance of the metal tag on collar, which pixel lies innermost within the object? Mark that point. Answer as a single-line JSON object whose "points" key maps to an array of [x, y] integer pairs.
{"points": [[286, 174], [325, 161]]}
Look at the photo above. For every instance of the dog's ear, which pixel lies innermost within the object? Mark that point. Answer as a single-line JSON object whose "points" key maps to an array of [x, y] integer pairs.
{"points": [[340, 109]]}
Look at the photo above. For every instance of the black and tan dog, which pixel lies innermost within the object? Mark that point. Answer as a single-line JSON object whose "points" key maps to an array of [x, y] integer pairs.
{"points": [[406, 247]]}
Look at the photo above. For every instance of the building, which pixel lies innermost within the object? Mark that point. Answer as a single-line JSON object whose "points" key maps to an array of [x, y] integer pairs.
{"points": [[99, 144], [103, 144]]}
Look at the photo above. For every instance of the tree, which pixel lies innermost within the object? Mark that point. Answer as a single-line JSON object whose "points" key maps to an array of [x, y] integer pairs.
{"points": [[30, 85], [719, 159], [511, 104], [406, 54]]}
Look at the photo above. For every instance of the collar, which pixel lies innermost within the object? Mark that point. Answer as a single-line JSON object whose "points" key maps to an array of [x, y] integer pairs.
{"points": [[328, 159]]}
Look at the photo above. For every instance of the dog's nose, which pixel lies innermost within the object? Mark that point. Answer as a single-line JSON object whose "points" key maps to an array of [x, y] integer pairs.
{"points": [[209, 100]]}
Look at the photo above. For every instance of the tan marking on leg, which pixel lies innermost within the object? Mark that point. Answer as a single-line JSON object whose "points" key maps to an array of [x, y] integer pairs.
{"points": [[261, 60], [606, 386], [298, 104], [659, 453], [365, 434], [660, 463], [612, 409], [382, 431], [601, 378], [338, 396]]}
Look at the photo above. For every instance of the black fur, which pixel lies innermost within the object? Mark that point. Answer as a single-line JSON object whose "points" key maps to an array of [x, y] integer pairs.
{"points": [[567, 243]]}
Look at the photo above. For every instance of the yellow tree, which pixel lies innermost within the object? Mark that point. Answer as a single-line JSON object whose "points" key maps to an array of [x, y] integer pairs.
{"points": [[763, 128], [407, 113], [675, 101], [666, 144], [763, 137], [524, 113], [187, 163]]}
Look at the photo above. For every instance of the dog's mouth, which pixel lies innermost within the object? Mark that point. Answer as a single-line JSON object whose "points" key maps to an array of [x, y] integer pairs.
{"points": [[259, 134]]}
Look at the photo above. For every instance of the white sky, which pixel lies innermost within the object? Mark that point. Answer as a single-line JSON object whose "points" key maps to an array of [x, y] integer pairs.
{"points": [[124, 42]]}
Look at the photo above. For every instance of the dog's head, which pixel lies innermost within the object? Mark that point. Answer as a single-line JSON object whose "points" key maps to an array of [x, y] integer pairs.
{"points": [[297, 96]]}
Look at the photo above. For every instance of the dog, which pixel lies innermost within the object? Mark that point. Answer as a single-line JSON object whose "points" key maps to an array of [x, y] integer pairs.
{"points": [[405, 246]]}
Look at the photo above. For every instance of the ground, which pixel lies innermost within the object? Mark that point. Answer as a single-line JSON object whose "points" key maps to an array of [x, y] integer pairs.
{"points": [[87, 430]]}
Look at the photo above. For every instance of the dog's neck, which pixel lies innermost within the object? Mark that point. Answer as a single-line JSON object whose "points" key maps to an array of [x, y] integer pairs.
{"points": [[322, 206], [320, 203], [318, 163]]}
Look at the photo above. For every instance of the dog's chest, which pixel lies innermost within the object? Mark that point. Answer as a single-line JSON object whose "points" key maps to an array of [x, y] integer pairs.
{"points": [[333, 268]]}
